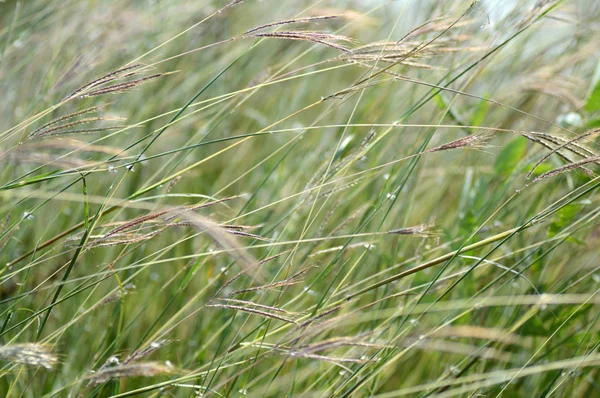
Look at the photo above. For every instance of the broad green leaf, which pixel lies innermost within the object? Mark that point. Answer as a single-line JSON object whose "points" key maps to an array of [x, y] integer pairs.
{"points": [[510, 156], [563, 218], [593, 102], [540, 169]]}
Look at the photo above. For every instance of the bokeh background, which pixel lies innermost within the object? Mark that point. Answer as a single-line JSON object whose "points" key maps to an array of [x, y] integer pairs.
{"points": [[287, 214]]}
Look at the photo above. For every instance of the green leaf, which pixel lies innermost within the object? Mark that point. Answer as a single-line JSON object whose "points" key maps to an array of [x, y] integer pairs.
{"points": [[564, 217], [540, 169], [510, 156], [33, 180], [576, 241], [480, 113], [535, 326], [86, 205], [593, 102], [439, 101], [592, 124]]}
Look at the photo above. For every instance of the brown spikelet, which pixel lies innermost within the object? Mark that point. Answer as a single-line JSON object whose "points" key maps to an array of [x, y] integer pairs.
{"points": [[119, 87], [247, 235], [220, 235], [240, 227], [136, 221], [274, 285], [541, 139], [343, 13], [364, 244], [177, 212], [319, 316], [63, 129], [367, 140], [252, 311], [291, 21], [142, 369], [232, 3], [292, 280], [565, 144], [424, 230], [111, 76], [89, 130], [253, 304], [476, 141], [33, 354], [405, 52], [62, 118], [172, 183], [568, 167], [226, 228], [385, 51], [571, 145], [326, 39], [122, 239]]}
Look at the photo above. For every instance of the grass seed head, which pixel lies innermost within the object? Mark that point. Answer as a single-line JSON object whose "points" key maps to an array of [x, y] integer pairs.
{"points": [[33, 354]]}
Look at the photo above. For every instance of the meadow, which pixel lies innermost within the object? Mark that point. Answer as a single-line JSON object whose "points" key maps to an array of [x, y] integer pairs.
{"points": [[299, 199]]}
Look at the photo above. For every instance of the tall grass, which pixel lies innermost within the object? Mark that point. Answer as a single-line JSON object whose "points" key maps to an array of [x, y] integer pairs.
{"points": [[262, 198]]}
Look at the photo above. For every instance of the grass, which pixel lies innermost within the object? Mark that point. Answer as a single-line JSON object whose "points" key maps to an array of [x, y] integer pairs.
{"points": [[318, 198]]}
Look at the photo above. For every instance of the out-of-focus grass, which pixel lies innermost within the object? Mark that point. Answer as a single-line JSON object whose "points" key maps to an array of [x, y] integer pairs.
{"points": [[400, 200]]}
